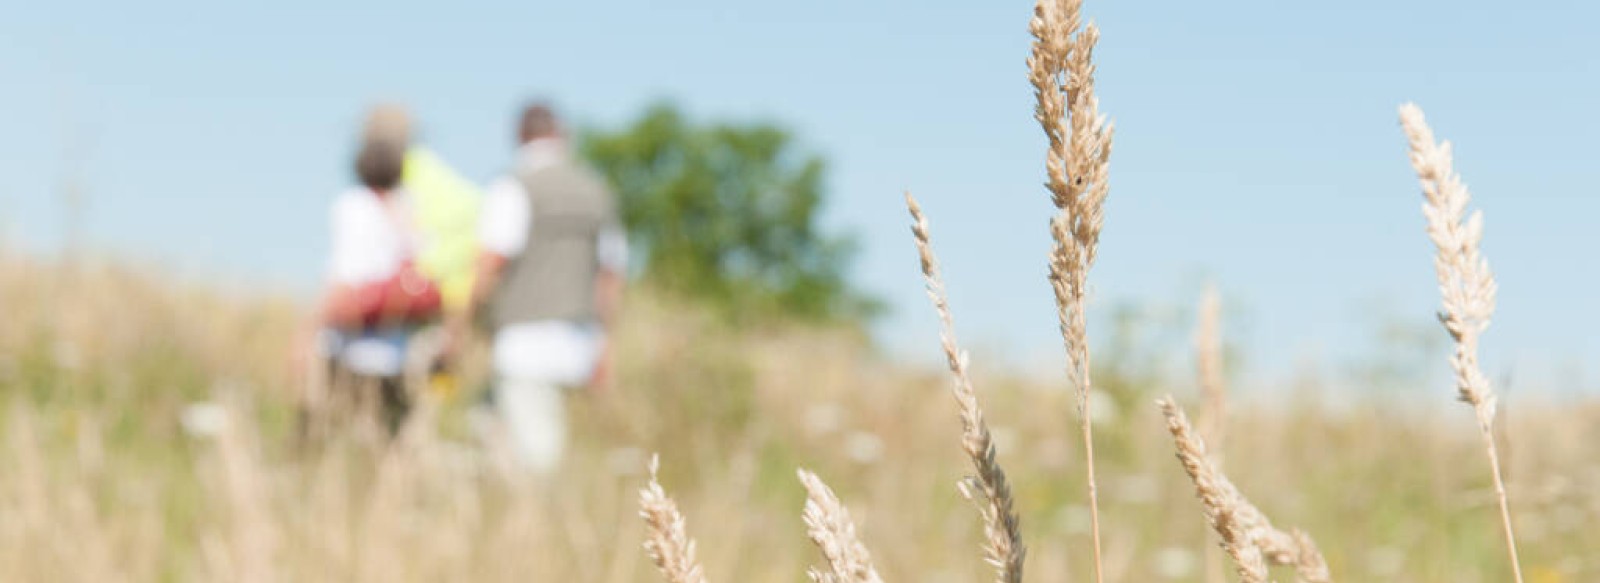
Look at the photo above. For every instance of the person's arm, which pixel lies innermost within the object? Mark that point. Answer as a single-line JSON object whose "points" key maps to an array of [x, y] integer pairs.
{"points": [[341, 307], [502, 233], [486, 276], [490, 267], [612, 250], [608, 287], [610, 279]]}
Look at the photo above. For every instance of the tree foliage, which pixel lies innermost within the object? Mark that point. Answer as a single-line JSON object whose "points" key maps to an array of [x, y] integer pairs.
{"points": [[728, 213]]}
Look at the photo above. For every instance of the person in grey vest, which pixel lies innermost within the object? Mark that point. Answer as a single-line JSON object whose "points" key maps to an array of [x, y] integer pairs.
{"points": [[550, 272]]}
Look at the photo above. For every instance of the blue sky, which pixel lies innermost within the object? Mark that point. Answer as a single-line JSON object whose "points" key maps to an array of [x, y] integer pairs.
{"points": [[1257, 145]]}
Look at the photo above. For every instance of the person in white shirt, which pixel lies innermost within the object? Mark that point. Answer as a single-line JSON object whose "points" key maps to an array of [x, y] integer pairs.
{"points": [[550, 273], [372, 243]]}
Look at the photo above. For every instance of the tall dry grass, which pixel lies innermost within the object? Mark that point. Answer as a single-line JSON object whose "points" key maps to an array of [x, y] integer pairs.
{"points": [[1213, 391], [112, 471], [102, 482], [989, 489], [667, 541], [1079, 144], [830, 528], [1466, 284], [1061, 70], [1247, 535]]}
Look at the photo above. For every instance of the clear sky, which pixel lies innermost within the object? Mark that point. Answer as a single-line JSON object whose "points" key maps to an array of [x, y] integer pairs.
{"points": [[1257, 145]]}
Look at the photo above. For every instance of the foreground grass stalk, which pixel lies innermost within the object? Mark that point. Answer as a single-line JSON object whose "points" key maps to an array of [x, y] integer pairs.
{"points": [[252, 545], [1466, 284], [1248, 537], [1208, 369], [1061, 70], [668, 541], [1213, 417], [828, 525], [1003, 548]]}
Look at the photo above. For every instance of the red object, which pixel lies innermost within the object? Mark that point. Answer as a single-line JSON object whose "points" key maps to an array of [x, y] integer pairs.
{"points": [[406, 298]]}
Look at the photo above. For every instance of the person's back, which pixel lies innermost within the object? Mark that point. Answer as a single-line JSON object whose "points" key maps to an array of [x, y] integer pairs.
{"points": [[550, 274], [553, 277], [370, 305]]}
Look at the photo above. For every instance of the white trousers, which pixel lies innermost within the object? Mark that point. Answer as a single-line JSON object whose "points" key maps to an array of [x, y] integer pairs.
{"points": [[535, 363], [534, 417]]}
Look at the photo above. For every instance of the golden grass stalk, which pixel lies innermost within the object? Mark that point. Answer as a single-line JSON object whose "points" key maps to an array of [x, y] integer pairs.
{"points": [[829, 526], [667, 541], [1061, 69], [1208, 369], [1248, 537], [252, 541], [1465, 282], [1003, 546], [1213, 417]]}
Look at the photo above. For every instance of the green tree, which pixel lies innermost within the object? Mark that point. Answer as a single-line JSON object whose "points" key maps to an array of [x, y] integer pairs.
{"points": [[727, 213]]}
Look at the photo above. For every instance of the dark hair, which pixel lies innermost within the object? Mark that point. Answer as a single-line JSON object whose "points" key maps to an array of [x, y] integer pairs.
{"points": [[538, 121], [380, 164]]}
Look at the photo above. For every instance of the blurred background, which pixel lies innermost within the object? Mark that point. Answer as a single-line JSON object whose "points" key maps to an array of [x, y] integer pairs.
{"points": [[167, 169]]}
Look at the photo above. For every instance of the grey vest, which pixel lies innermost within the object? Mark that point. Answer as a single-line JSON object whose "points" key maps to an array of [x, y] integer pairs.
{"points": [[553, 278]]}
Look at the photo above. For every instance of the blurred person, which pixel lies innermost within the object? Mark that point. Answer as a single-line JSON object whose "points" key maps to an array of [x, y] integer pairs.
{"points": [[550, 275], [444, 205], [376, 297]]}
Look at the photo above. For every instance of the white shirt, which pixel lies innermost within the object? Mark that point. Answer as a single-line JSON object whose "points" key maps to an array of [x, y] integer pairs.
{"points": [[368, 242], [554, 352]]}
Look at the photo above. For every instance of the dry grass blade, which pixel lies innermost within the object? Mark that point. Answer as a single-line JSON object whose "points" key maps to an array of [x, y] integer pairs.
{"points": [[1247, 557], [1208, 365], [251, 548], [1465, 282], [829, 526], [667, 541], [1213, 417], [1003, 548], [1061, 69], [1247, 535]]}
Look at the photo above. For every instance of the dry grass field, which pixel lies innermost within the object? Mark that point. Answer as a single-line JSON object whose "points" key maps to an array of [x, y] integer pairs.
{"points": [[102, 482], [147, 433]]}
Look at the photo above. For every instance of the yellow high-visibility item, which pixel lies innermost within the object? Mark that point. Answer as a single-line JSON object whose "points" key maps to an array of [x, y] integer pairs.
{"points": [[446, 211], [444, 385]]}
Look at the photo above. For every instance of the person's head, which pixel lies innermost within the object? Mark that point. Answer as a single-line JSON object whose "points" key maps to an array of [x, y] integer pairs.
{"points": [[379, 165], [537, 121], [387, 122]]}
